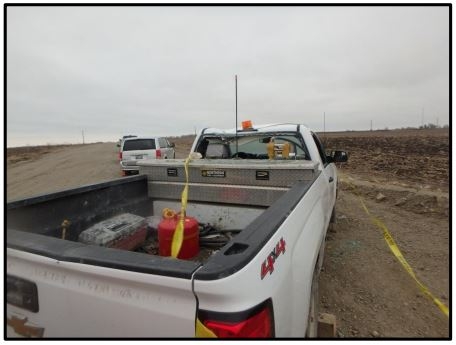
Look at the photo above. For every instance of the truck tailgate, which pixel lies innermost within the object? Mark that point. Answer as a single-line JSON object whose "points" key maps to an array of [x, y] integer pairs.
{"points": [[80, 300]]}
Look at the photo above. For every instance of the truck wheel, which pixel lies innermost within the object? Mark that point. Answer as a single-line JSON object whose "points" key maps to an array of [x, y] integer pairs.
{"points": [[312, 318]]}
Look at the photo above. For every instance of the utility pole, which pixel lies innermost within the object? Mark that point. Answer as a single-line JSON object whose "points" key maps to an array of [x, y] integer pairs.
{"points": [[83, 142], [371, 125], [422, 117], [324, 123]]}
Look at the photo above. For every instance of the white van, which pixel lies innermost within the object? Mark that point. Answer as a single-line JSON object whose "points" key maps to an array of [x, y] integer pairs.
{"points": [[140, 148]]}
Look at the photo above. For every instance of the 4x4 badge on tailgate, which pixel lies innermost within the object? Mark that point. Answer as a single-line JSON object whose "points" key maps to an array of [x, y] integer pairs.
{"points": [[268, 264]]}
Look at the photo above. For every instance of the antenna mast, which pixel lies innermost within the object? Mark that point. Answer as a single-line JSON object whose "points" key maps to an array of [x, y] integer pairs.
{"points": [[235, 127]]}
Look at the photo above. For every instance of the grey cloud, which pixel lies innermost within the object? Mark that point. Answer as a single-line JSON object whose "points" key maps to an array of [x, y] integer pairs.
{"points": [[169, 70]]}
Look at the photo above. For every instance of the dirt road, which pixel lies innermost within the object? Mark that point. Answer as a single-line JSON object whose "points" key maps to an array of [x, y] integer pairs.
{"points": [[361, 283], [62, 168], [48, 169]]}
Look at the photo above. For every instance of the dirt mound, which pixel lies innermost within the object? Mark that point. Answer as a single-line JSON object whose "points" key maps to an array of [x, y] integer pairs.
{"points": [[26, 153], [416, 200]]}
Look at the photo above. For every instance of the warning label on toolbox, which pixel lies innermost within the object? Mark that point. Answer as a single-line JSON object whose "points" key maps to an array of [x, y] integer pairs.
{"points": [[213, 173]]}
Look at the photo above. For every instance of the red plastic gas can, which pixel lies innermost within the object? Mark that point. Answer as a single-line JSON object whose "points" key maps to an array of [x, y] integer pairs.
{"points": [[190, 244]]}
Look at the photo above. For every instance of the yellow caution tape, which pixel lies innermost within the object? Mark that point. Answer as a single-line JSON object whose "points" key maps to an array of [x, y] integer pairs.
{"points": [[178, 236], [397, 253], [202, 331]]}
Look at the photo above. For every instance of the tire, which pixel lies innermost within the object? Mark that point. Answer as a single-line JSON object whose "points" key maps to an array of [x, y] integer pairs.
{"points": [[312, 318]]}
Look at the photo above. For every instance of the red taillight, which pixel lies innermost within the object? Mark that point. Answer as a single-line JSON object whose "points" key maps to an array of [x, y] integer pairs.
{"points": [[258, 325], [158, 153], [120, 155]]}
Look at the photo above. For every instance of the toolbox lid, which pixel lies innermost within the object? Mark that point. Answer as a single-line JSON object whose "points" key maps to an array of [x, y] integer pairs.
{"points": [[112, 229], [254, 172], [281, 164]]}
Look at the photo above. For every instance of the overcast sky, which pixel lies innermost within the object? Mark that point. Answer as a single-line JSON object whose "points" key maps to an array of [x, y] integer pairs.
{"points": [[112, 71]]}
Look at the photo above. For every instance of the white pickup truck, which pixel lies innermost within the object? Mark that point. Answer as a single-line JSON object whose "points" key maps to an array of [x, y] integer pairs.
{"points": [[269, 192]]}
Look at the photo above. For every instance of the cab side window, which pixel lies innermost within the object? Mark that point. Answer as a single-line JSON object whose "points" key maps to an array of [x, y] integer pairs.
{"points": [[321, 149]]}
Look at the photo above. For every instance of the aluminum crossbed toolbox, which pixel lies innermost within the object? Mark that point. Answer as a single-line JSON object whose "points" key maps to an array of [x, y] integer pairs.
{"points": [[249, 182], [252, 172]]}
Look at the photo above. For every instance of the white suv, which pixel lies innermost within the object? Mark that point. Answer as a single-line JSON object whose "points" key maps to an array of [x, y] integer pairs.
{"points": [[139, 148]]}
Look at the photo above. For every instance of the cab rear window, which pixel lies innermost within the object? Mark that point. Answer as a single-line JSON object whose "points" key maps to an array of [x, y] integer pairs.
{"points": [[139, 144]]}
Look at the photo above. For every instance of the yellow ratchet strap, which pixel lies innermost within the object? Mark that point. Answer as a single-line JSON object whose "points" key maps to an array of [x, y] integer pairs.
{"points": [[178, 236]]}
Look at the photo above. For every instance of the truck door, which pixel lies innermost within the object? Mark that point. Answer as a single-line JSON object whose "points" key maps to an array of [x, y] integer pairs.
{"points": [[171, 151], [329, 172], [165, 148]]}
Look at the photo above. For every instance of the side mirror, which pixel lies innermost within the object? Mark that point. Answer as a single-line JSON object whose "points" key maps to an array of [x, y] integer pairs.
{"points": [[118, 145], [339, 156], [172, 145]]}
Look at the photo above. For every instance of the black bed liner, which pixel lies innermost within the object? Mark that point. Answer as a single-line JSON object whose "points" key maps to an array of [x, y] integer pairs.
{"points": [[33, 226]]}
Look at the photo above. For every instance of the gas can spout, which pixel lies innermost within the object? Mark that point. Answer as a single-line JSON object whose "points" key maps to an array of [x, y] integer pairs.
{"points": [[168, 213]]}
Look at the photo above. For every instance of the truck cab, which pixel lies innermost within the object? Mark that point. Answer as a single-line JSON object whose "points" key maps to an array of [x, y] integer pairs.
{"points": [[267, 142]]}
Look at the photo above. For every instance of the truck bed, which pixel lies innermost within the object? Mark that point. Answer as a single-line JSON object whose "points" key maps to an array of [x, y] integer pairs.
{"points": [[248, 201]]}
